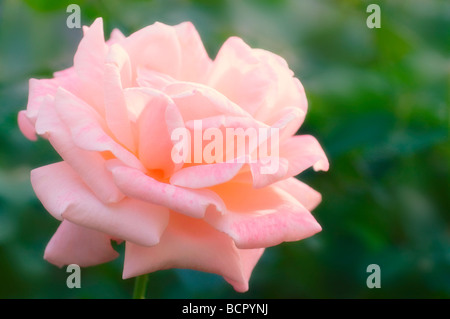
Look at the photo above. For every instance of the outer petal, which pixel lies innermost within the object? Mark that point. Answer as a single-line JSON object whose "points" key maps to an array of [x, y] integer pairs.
{"points": [[289, 92], [239, 74], [73, 244], [155, 47], [87, 128], [195, 63], [89, 165], [307, 196], [64, 195], [38, 89], [264, 217], [258, 81], [191, 202], [89, 61], [26, 126], [303, 151], [193, 244]]}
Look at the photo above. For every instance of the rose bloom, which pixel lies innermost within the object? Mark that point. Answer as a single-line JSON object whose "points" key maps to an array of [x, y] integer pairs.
{"points": [[110, 118]]}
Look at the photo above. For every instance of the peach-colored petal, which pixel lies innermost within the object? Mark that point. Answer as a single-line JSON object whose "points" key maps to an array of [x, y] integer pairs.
{"points": [[204, 249], [26, 126], [87, 129], [257, 218], [89, 165], [156, 122], [307, 196], [191, 202], [73, 244], [64, 195]]}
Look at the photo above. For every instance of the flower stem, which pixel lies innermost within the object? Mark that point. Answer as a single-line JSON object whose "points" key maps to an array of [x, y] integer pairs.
{"points": [[140, 287]]}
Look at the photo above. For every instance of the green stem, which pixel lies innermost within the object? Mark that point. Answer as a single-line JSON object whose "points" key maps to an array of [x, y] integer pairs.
{"points": [[140, 287]]}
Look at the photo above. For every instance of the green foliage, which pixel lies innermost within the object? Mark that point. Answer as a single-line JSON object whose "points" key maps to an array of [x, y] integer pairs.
{"points": [[378, 103]]}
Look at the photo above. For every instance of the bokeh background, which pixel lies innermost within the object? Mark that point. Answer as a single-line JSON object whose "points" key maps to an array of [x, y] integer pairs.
{"points": [[378, 103]]}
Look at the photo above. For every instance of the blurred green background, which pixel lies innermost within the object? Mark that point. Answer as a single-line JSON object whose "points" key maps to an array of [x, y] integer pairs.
{"points": [[378, 103]]}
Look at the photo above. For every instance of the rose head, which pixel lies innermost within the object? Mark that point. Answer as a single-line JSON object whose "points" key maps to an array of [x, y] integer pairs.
{"points": [[113, 118]]}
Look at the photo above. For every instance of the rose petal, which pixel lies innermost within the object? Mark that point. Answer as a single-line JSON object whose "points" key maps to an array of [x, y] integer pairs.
{"points": [[26, 126], [191, 202], [89, 165], [89, 62], [155, 47], [156, 122], [202, 176], [195, 62], [87, 129], [197, 101], [117, 72], [239, 74], [193, 244], [257, 218], [302, 152], [289, 92], [153, 79], [307, 196], [65, 196], [73, 244]]}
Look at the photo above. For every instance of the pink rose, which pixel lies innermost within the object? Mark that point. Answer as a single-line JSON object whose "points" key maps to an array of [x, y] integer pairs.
{"points": [[112, 118]]}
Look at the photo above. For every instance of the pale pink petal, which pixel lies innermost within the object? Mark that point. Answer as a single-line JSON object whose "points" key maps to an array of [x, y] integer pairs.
{"points": [[202, 176], [191, 202], [302, 152], [153, 79], [193, 244], [116, 108], [195, 63], [73, 244], [87, 128], [119, 57], [89, 165], [26, 126], [89, 63], [116, 37], [257, 218], [249, 259], [197, 101], [289, 92], [240, 75], [268, 170], [307, 196], [38, 89], [155, 47], [65, 196]]}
